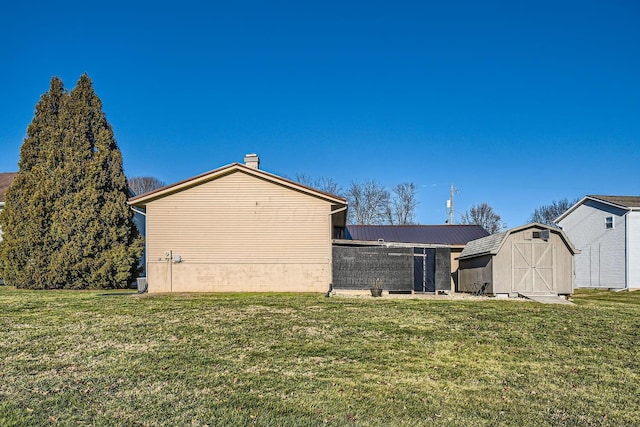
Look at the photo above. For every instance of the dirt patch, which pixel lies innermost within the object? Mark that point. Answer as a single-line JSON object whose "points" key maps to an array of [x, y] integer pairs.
{"points": [[441, 297]]}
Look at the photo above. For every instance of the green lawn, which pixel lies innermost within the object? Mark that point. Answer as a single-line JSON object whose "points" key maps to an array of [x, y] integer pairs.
{"points": [[113, 358]]}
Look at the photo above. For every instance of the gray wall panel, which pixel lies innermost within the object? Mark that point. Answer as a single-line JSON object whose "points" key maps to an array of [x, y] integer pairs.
{"points": [[357, 268]]}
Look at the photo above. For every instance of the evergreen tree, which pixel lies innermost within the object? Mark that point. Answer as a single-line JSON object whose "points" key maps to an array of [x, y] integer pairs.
{"points": [[26, 218], [88, 236]]}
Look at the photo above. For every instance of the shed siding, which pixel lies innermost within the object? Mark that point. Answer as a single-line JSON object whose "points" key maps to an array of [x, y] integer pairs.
{"points": [[633, 252], [474, 272], [601, 262], [562, 274], [239, 233], [518, 262]]}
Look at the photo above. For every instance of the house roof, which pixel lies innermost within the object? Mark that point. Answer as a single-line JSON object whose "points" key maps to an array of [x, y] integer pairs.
{"points": [[491, 245], [424, 234], [6, 178], [143, 199], [623, 202]]}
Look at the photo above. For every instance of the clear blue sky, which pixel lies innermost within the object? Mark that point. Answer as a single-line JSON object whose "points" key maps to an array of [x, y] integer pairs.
{"points": [[515, 103]]}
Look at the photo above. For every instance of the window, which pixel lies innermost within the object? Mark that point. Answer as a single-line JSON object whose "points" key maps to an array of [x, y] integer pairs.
{"points": [[608, 222], [542, 234]]}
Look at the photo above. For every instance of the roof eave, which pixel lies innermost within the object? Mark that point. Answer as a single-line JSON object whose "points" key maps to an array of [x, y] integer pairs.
{"points": [[595, 199], [145, 198], [571, 209], [485, 253]]}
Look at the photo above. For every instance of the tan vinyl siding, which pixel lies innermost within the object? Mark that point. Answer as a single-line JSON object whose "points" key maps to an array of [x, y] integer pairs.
{"points": [[239, 218], [237, 233], [455, 265]]}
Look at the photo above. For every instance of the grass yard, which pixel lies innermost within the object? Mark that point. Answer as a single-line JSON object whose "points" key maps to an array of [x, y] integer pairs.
{"points": [[113, 358]]}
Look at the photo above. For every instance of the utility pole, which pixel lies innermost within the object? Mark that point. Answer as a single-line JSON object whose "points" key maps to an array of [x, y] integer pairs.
{"points": [[453, 190]]}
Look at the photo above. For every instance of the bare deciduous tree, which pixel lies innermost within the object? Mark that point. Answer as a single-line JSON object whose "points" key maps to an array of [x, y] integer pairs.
{"points": [[144, 184], [328, 185], [401, 209], [484, 215], [546, 214], [368, 203]]}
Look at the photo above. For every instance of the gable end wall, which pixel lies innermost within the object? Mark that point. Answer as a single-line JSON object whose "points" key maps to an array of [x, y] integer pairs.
{"points": [[239, 233], [601, 262]]}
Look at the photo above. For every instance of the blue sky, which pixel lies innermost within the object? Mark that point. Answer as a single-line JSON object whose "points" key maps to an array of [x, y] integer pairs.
{"points": [[515, 103]]}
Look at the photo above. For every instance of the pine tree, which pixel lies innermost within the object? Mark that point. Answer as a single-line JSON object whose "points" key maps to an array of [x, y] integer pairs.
{"points": [[88, 236], [26, 218]]}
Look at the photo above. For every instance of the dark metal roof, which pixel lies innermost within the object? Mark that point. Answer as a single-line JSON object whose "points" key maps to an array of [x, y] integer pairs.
{"points": [[6, 178], [425, 234]]}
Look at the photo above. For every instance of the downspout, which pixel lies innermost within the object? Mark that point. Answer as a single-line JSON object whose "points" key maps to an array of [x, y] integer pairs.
{"points": [[141, 212], [342, 209]]}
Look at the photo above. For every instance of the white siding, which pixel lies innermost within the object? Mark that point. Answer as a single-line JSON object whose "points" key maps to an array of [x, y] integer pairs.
{"points": [[601, 262], [633, 251], [1, 206]]}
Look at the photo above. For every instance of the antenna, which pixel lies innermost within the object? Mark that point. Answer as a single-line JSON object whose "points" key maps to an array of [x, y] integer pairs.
{"points": [[453, 190]]}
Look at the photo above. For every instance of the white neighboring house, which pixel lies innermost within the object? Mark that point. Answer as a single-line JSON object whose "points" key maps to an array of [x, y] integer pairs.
{"points": [[6, 178], [606, 229]]}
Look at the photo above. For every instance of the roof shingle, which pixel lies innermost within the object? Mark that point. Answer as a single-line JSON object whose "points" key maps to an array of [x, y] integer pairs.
{"points": [[6, 178], [484, 245], [626, 201], [423, 234]]}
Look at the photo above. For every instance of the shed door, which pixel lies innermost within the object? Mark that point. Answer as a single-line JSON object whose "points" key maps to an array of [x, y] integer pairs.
{"points": [[533, 267]]}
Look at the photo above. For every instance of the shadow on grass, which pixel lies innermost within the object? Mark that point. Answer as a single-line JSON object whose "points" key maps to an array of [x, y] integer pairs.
{"points": [[118, 294]]}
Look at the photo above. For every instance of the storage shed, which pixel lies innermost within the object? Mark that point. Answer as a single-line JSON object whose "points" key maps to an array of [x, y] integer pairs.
{"points": [[534, 259]]}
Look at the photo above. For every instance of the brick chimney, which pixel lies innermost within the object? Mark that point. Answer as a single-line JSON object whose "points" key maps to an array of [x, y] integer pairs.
{"points": [[252, 161]]}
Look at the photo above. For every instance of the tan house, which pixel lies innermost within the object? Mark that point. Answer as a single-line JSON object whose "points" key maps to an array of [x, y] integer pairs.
{"points": [[239, 229], [532, 259]]}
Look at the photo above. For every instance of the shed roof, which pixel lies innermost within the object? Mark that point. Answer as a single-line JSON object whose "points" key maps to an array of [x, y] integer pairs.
{"points": [[6, 178], [485, 245], [491, 245], [424, 234], [623, 202]]}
